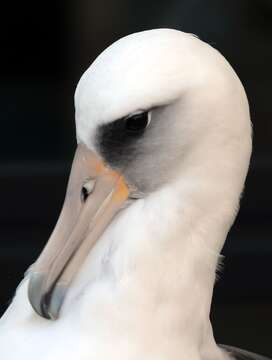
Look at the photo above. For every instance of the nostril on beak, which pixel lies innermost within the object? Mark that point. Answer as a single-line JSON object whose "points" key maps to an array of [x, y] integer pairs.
{"points": [[87, 189]]}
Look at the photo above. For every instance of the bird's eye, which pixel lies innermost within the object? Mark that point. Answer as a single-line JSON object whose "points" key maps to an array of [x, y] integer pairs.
{"points": [[137, 122], [87, 189]]}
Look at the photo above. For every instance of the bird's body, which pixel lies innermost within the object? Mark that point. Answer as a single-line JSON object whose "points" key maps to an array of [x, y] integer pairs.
{"points": [[144, 290]]}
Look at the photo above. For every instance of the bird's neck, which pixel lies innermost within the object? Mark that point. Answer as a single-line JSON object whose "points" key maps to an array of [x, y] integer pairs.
{"points": [[153, 271]]}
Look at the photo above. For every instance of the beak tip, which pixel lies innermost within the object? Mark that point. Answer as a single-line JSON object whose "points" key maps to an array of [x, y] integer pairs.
{"points": [[56, 301], [47, 305], [35, 287]]}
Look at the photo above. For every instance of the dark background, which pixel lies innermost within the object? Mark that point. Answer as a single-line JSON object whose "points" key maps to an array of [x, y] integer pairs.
{"points": [[45, 47]]}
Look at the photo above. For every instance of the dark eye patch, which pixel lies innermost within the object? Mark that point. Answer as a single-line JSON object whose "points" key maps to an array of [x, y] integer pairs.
{"points": [[118, 141]]}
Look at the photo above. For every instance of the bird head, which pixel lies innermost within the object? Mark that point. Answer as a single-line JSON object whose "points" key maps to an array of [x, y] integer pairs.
{"points": [[153, 107]]}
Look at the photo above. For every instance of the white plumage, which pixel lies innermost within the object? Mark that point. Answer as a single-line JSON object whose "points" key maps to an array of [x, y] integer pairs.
{"points": [[145, 288]]}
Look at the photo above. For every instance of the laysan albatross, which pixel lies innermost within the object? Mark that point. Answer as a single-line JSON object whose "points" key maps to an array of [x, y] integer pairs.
{"points": [[164, 142]]}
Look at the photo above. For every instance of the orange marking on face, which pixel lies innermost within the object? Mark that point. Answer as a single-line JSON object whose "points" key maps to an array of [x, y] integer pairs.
{"points": [[99, 166], [121, 190]]}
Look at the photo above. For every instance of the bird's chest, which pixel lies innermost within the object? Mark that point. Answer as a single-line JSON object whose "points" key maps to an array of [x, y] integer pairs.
{"points": [[101, 325]]}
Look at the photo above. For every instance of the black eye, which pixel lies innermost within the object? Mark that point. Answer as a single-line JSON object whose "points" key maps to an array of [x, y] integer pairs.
{"points": [[137, 122]]}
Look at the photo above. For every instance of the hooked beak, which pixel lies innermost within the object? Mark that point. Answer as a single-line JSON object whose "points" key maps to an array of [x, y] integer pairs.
{"points": [[94, 195]]}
